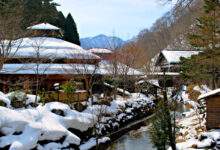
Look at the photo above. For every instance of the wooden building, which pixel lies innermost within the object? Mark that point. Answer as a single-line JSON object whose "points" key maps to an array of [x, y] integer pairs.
{"points": [[43, 60], [212, 108], [167, 63], [170, 59], [45, 29], [105, 54]]}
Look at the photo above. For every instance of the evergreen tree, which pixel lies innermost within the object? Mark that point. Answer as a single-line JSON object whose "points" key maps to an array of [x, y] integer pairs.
{"points": [[60, 20], [70, 30], [37, 11], [158, 129], [206, 38], [163, 129]]}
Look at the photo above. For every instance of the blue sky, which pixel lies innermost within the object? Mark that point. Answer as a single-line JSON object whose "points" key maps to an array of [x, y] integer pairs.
{"points": [[122, 18]]}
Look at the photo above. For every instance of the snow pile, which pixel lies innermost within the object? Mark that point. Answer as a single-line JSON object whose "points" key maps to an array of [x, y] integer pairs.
{"points": [[92, 143], [207, 140], [56, 126], [5, 99], [27, 99], [118, 89], [44, 127], [191, 134], [121, 112]]}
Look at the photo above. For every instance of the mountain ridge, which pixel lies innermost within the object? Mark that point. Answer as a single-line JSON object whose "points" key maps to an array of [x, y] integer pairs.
{"points": [[102, 41]]}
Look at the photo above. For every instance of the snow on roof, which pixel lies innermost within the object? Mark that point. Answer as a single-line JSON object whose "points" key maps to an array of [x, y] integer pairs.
{"points": [[100, 50], [43, 26], [50, 69], [50, 48], [154, 82], [208, 94], [173, 56], [107, 68], [166, 73]]}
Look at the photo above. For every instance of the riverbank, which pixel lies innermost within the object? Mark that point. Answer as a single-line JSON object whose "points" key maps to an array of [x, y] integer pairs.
{"points": [[134, 140], [136, 125], [55, 125]]}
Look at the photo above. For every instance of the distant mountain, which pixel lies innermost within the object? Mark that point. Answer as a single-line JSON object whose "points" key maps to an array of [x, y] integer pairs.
{"points": [[101, 41]]}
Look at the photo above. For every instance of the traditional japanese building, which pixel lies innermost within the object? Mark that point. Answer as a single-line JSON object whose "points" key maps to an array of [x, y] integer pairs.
{"points": [[105, 54], [44, 29], [167, 63], [43, 59], [170, 59]]}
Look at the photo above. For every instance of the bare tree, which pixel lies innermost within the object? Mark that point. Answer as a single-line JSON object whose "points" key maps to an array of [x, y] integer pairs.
{"points": [[127, 60], [86, 70], [10, 29], [98, 111], [39, 60]]}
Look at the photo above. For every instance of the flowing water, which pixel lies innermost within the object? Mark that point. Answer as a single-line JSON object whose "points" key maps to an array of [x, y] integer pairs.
{"points": [[139, 139], [134, 140]]}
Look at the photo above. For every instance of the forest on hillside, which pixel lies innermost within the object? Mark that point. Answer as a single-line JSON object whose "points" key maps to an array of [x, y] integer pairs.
{"points": [[170, 31]]}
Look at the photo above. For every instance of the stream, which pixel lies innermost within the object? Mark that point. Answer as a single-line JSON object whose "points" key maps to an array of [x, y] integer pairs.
{"points": [[134, 140], [139, 139]]}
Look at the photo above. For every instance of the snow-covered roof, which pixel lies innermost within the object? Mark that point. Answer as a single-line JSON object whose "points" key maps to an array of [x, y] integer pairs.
{"points": [[43, 26], [50, 48], [107, 68], [48, 69], [51, 69], [208, 94], [100, 50], [154, 82], [173, 56], [166, 73]]}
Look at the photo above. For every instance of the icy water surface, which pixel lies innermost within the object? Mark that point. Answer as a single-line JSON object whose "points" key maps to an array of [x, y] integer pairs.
{"points": [[134, 140]]}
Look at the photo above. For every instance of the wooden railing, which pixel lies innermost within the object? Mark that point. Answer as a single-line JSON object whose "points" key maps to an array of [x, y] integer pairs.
{"points": [[78, 96]]}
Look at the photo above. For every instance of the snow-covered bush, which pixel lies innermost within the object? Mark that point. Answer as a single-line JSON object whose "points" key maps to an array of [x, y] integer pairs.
{"points": [[41, 128]]}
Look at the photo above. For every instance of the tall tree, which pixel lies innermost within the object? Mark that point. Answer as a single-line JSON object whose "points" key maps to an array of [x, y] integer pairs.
{"points": [[206, 38], [60, 20], [70, 30], [39, 11]]}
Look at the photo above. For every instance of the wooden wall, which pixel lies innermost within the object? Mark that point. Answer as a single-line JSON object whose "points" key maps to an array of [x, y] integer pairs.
{"points": [[78, 96], [213, 112]]}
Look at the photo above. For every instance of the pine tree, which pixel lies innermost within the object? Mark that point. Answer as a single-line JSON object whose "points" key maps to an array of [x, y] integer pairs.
{"points": [[158, 129], [60, 20], [48, 11], [206, 38], [38, 11], [70, 30]]}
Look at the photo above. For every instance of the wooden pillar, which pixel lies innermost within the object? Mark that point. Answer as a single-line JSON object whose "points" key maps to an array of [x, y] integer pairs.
{"points": [[87, 83], [26, 86]]}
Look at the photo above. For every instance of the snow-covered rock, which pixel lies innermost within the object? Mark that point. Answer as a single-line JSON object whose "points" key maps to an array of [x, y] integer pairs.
{"points": [[92, 143], [5, 99], [24, 129]]}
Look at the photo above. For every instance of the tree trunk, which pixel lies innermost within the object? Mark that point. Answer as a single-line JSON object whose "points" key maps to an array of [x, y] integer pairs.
{"points": [[171, 135]]}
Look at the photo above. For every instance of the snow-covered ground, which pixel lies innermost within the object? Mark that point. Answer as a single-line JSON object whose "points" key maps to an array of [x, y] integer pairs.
{"points": [[192, 133], [55, 125], [25, 128]]}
